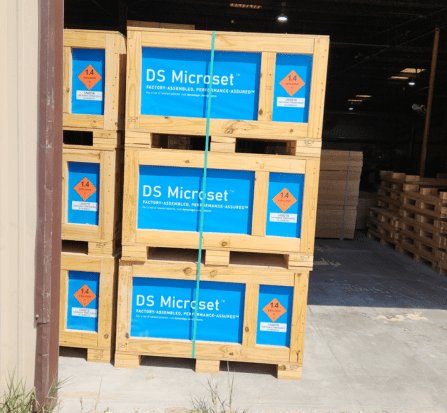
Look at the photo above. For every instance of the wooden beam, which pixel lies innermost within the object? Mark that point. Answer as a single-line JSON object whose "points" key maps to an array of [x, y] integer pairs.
{"points": [[429, 103]]}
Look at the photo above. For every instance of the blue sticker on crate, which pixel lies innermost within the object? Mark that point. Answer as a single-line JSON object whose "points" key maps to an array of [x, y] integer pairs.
{"points": [[165, 309], [83, 296], [88, 73], [274, 315], [292, 88], [169, 199], [174, 82], [83, 193], [285, 205]]}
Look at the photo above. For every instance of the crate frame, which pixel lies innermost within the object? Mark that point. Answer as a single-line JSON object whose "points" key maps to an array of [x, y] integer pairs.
{"points": [[267, 44], [100, 344], [289, 360], [103, 239], [102, 139], [114, 44], [136, 241]]}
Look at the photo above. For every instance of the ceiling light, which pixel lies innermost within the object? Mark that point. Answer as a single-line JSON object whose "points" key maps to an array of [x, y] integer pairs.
{"points": [[351, 108], [355, 100], [399, 77], [363, 96], [246, 6], [412, 83], [282, 16]]}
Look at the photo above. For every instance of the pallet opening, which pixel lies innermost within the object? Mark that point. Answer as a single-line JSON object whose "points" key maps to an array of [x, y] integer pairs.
{"points": [[174, 254], [240, 145], [75, 247], [256, 259], [82, 138]]}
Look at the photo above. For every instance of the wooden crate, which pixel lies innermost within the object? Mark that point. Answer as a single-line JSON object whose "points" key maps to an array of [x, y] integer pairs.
{"points": [[100, 274], [178, 266], [136, 242], [110, 115], [269, 45], [101, 230]]}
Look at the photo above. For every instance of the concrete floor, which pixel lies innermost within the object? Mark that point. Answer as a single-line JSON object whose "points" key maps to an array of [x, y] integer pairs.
{"points": [[376, 341]]}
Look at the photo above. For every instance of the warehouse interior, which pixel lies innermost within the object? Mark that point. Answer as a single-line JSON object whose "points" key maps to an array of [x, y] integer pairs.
{"points": [[371, 43], [376, 325]]}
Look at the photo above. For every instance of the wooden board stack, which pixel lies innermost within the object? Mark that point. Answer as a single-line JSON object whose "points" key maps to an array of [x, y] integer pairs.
{"points": [[338, 193], [411, 217], [93, 122], [245, 260]]}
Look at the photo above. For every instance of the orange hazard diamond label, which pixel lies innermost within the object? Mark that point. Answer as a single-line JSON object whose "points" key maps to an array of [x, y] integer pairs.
{"points": [[84, 295], [284, 200], [292, 83], [274, 310], [85, 189], [89, 76]]}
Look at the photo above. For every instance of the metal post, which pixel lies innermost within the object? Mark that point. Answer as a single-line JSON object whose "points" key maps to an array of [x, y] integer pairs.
{"points": [[48, 240], [429, 103]]}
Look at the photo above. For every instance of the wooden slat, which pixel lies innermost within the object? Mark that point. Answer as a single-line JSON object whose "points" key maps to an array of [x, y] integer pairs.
{"points": [[234, 242], [130, 196], [86, 39], [67, 79], [250, 315], [133, 82], [238, 161], [318, 89], [209, 351], [309, 213], [220, 127], [225, 41], [83, 121], [112, 82], [267, 86], [299, 317], [260, 201]]}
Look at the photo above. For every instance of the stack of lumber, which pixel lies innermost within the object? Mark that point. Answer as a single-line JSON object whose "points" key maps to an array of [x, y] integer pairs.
{"points": [[338, 193], [411, 217], [367, 200], [259, 218], [93, 157]]}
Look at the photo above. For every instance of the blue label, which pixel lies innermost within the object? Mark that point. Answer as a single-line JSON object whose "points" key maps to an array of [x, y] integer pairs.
{"points": [[83, 193], [273, 322], [285, 205], [165, 309], [291, 101], [88, 97], [169, 199], [174, 82], [82, 308]]}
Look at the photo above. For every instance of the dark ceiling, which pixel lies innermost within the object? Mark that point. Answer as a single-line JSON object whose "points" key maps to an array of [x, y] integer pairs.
{"points": [[371, 40]]}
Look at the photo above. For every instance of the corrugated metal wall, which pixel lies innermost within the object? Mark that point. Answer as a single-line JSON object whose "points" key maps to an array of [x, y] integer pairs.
{"points": [[19, 37]]}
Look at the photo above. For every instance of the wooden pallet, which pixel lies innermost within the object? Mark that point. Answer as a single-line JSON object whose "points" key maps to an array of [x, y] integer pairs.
{"points": [[383, 238], [114, 80], [103, 235], [430, 201], [382, 228], [76, 138], [266, 44], [99, 343], [289, 359], [310, 148], [420, 255], [136, 241], [384, 216]]}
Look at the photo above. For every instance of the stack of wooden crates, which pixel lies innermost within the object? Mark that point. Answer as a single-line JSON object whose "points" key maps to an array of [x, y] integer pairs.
{"points": [[259, 230], [412, 217], [93, 122], [338, 194]]}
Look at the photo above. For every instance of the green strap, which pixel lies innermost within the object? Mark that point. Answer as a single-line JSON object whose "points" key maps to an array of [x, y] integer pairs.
{"points": [[202, 203]]}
